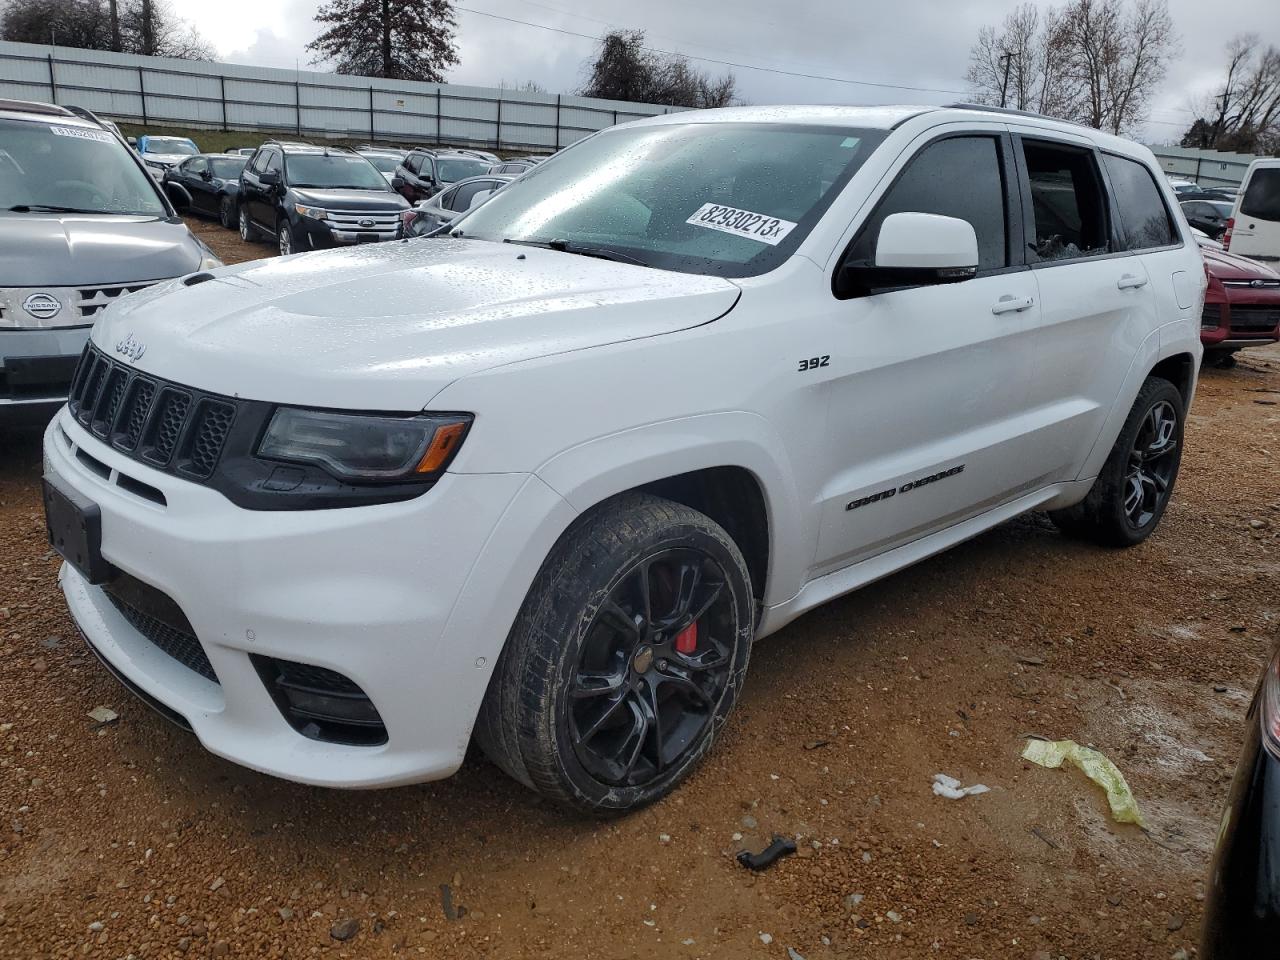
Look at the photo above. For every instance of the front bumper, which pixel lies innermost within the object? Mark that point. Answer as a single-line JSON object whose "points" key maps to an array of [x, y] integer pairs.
{"points": [[324, 234], [1244, 318], [412, 601], [35, 371]]}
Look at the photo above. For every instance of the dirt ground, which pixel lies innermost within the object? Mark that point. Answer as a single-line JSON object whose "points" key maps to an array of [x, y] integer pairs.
{"points": [[227, 243], [129, 840]]}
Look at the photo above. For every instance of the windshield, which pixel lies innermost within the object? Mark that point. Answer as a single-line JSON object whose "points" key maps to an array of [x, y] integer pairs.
{"points": [[71, 168], [333, 172], [451, 171], [1262, 198], [225, 168], [171, 145], [385, 163], [732, 199]]}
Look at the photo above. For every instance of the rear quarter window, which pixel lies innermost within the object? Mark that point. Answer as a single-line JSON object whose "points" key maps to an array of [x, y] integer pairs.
{"points": [[1144, 218], [1261, 198]]}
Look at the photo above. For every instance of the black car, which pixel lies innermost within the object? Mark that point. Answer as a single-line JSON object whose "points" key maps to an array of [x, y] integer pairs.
{"points": [[1211, 216], [424, 173], [309, 197], [207, 184], [1242, 906]]}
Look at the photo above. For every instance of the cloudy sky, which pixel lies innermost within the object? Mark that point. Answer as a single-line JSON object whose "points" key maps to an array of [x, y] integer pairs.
{"points": [[920, 45]]}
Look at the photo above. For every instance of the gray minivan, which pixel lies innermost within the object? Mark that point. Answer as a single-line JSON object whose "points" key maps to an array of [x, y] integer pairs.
{"points": [[81, 224]]}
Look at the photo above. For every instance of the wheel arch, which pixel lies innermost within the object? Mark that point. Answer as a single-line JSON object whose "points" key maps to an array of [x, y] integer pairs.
{"points": [[1180, 370]]}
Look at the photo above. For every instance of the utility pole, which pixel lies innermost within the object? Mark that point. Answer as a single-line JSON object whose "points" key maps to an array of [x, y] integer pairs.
{"points": [[1005, 58], [114, 7]]}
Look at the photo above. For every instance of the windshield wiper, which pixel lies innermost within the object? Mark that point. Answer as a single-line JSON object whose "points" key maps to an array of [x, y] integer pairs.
{"points": [[583, 250], [49, 208]]}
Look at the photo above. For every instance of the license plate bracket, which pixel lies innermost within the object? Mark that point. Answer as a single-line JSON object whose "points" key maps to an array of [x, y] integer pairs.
{"points": [[74, 524]]}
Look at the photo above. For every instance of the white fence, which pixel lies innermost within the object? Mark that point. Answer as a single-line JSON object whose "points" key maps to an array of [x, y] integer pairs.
{"points": [[1209, 168], [226, 96]]}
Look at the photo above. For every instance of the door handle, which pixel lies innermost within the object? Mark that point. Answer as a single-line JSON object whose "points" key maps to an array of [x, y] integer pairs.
{"points": [[1131, 282], [1011, 304]]}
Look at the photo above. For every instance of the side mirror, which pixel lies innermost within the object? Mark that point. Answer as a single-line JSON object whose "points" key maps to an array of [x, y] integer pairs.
{"points": [[270, 179], [178, 196], [914, 250], [206, 175], [479, 198], [397, 182]]}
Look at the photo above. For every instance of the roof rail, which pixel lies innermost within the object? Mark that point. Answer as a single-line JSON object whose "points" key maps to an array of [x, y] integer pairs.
{"points": [[31, 106], [1011, 111]]}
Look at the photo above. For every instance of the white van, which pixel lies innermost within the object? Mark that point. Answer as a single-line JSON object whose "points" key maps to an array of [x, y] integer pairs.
{"points": [[1254, 230]]}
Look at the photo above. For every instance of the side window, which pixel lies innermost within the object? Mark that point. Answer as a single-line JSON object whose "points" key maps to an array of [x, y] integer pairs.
{"points": [[958, 177], [1262, 197], [1066, 201], [260, 161], [195, 167], [413, 162], [273, 162], [466, 193], [1144, 219], [447, 198]]}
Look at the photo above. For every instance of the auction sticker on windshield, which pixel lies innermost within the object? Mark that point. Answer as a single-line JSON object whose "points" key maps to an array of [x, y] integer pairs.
{"points": [[741, 223], [82, 134]]}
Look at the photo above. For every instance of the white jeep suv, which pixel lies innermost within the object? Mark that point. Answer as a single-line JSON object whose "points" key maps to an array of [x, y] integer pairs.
{"points": [[542, 481]]}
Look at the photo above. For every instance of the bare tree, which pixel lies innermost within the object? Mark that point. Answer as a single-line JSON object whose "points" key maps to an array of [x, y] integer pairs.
{"points": [[1244, 113], [625, 69], [148, 27], [1093, 61]]}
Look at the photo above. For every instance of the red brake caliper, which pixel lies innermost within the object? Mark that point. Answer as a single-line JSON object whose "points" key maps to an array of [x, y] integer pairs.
{"points": [[687, 639]]}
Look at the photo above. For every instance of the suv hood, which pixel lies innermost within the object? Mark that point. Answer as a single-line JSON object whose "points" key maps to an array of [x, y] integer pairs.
{"points": [[51, 250], [387, 326], [1230, 266], [350, 199]]}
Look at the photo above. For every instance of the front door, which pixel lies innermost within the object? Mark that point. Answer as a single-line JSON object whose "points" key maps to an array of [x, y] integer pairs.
{"points": [[927, 416]]}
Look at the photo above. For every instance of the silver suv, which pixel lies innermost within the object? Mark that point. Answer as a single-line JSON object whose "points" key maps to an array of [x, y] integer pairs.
{"points": [[81, 225]]}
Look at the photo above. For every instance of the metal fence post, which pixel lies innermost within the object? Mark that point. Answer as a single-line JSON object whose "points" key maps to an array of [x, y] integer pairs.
{"points": [[297, 106], [497, 138], [142, 96], [53, 82], [222, 93], [372, 136], [615, 118], [557, 121], [438, 116]]}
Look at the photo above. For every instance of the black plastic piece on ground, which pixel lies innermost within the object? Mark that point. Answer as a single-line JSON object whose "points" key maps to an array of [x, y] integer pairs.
{"points": [[781, 847]]}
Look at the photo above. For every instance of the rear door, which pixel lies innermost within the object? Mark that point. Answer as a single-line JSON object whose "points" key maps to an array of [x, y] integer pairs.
{"points": [[1097, 299], [1256, 231]]}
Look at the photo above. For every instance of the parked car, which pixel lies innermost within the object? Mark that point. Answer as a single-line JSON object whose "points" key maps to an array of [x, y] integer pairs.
{"points": [[1241, 305], [81, 226], [1242, 902], [243, 151], [1211, 216], [1254, 230], [1212, 194], [447, 205], [309, 197], [424, 173], [514, 168], [546, 479], [161, 153], [1181, 185], [484, 155], [207, 184], [386, 161]]}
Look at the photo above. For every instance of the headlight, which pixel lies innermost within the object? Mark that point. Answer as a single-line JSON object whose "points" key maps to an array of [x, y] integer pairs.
{"points": [[315, 213], [358, 447]]}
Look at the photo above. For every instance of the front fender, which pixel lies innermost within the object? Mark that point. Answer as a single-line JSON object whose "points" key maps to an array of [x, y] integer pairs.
{"points": [[591, 472]]}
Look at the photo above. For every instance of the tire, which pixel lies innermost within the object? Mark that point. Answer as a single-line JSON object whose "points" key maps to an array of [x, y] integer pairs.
{"points": [[582, 656], [248, 232], [284, 237], [227, 213], [1136, 483]]}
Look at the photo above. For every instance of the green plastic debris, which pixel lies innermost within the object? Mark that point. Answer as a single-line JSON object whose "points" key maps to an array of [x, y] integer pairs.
{"points": [[1095, 766]]}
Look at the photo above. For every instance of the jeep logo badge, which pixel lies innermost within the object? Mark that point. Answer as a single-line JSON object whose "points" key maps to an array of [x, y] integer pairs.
{"points": [[131, 348], [366, 223], [42, 306]]}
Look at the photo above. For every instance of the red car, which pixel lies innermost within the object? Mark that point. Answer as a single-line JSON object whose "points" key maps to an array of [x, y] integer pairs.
{"points": [[1241, 305]]}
